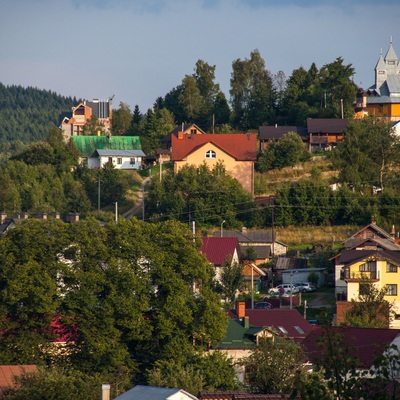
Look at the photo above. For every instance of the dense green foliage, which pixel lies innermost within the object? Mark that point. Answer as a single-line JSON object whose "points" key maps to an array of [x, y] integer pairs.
{"points": [[287, 152], [204, 195], [27, 114], [127, 295], [371, 310]]}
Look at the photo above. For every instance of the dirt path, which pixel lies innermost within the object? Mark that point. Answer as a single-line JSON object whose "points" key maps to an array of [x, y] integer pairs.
{"points": [[137, 209]]}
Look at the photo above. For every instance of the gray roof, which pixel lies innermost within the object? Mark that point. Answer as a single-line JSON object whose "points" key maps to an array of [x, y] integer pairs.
{"points": [[141, 392], [249, 236], [262, 252], [120, 153]]}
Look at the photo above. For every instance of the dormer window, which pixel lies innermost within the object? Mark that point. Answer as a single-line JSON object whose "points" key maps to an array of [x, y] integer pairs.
{"points": [[211, 154]]}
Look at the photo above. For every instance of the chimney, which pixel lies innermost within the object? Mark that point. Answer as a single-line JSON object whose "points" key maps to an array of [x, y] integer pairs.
{"points": [[244, 229], [55, 215], [24, 215], [393, 232], [241, 309], [41, 215], [180, 135], [105, 391], [3, 217], [73, 217], [246, 322]]}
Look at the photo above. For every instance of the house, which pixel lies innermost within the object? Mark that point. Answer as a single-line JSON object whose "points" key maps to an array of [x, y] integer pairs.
{"points": [[231, 395], [8, 373], [121, 159], [141, 392], [72, 123], [284, 322], [382, 99], [325, 133], [253, 276], [362, 344], [218, 250], [267, 134], [125, 152], [263, 243], [371, 255], [209, 395], [185, 129], [238, 153], [240, 340]]}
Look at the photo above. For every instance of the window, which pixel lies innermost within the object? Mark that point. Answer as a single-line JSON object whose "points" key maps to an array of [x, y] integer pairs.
{"points": [[133, 160], [391, 290], [211, 154], [391, 267], [368, 266], [119, 160], [193, 131], [283, 330], [298, 329], [110, 159]]}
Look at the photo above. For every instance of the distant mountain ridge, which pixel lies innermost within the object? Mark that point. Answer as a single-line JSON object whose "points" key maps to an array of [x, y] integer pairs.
{"points": [[27, 114]]}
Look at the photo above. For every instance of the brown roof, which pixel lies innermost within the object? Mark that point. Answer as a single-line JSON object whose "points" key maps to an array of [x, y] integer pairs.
{"points": [[242, 147], [352, 256], [276, 132], [326, 125], [361, 343], [9, 372]]}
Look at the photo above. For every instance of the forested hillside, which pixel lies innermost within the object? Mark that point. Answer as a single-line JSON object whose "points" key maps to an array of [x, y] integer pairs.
{"points": [[27, 114]]}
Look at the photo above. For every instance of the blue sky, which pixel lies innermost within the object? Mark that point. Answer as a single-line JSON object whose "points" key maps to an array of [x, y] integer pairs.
{"points": [[139, 50]]}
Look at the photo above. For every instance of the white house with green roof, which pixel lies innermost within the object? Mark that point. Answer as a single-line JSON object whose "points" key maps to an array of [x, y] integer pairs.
{"points": [[124, 152]]}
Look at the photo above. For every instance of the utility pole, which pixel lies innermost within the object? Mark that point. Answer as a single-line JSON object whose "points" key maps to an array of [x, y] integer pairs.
{"points": [[98, 193], [143, 203]]}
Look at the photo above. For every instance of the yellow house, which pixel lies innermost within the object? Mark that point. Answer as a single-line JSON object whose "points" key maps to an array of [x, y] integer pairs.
{"points": [[238, 153], [379, 267]]}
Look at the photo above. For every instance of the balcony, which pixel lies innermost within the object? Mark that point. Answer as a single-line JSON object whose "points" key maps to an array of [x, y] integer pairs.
{"points": [[371, 276]]}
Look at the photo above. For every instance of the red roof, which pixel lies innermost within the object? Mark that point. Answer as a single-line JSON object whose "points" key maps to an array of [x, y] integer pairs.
{"points": [[361, 343], [242, 147], [9, 372], [217, 249], [289, 320]]}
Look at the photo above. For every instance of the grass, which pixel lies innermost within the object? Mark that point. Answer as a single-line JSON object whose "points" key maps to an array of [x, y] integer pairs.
{"points": [[269, 182]]}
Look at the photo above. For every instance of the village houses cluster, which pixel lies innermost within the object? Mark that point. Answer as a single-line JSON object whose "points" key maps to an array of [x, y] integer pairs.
{"points": [[371, 254]]}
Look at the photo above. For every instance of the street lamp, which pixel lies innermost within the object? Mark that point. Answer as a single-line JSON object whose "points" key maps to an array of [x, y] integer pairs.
{"points": [[291, 290], [222, 223]]}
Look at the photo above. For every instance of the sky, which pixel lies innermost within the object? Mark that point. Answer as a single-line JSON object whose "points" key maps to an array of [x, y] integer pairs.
{"points": [[138, 50]]}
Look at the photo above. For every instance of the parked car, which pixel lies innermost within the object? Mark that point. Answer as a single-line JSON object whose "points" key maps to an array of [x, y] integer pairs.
{"points": [[306, 287], [284, 288], [264, 305]]}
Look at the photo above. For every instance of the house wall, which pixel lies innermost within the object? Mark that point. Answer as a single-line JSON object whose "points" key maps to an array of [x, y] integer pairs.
{"points": [[384, 278], [242, 171], [391, 111], [99, 162]]}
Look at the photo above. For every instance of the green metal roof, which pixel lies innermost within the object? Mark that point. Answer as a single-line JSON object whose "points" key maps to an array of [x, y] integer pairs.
{"points": [[239, 337], [87, 145]]}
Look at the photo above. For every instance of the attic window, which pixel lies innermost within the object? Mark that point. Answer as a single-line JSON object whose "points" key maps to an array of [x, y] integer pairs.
{"points": [[298, 329], [211, 154], [193, 131], [391, 267], [390, 62], [283, 330]]}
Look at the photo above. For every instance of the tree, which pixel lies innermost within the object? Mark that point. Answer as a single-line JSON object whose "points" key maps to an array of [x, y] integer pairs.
{"points": [[93, 127], [29, 265], [273, 366], [252, 92], [370, 309], [121, 119], [190, 194], [288, 152], [200, 372], [367, 154], [231, 280]]}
